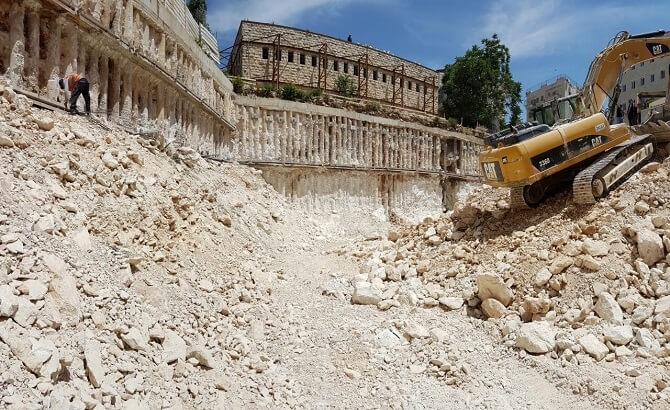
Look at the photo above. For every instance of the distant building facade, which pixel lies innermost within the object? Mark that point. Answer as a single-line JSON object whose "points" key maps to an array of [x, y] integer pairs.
{"points": [[557, 87], [276, 54], [646, 76]]}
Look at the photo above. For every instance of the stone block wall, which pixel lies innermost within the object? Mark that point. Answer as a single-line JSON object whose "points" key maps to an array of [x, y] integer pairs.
{"points": [[390, 79], [145, 68]]}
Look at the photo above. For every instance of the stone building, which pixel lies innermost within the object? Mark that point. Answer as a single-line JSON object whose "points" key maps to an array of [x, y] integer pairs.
{"points": [[649, 76], [555, 88], [277, 54]]}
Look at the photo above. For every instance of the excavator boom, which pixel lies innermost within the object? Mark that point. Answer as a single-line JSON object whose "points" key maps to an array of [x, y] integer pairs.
{"points": [[622, 52]]}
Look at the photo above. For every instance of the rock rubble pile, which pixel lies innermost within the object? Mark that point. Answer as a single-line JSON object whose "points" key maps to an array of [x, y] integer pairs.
{"points": [[579, 284], [130, 279]]}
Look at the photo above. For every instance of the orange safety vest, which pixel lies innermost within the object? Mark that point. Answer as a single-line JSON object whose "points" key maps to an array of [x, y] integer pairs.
{"points": [[72, 79]]}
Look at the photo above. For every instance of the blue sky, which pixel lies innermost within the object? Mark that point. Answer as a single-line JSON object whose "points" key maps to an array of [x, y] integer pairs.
{"points": [[545, 37]]}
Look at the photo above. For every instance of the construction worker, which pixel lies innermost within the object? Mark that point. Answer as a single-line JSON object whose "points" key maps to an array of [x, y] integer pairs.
{"points": [[77, 85]]}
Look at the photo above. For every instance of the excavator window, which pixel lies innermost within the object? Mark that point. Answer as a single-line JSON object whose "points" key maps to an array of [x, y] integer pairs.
{"points": [[549, 116], [565, 110]]}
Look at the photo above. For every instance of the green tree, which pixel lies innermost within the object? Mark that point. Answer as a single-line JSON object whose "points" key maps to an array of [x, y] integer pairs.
{"points": [[291, 93], [479, 87], [345, 85], [238, 84], [198, 9]]}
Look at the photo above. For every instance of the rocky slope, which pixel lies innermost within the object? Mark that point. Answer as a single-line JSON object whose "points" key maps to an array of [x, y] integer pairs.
{"points": [[128, 277], [583, 288], [136, 275]]}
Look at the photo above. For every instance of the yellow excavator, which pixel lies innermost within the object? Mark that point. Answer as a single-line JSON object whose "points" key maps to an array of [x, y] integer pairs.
{"points": [[534, 160]]}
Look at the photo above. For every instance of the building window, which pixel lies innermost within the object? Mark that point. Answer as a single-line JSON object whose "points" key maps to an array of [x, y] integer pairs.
{"points": [[651, 61], [355, 70], [266, 53], [624, 88], [662, 73], [402, 83], [642, 64], [641, 81], [383, 77], [346, 67], [336, 65], [652, 78], [409, 85], [632, 85], [418, 88], [365, 72], [290, 56], [313, 61], [632, 67], [302, 59], [374, 74]]}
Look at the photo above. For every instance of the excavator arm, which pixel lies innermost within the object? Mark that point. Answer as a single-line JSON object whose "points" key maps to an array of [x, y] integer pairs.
{"points": [[622, 52]]}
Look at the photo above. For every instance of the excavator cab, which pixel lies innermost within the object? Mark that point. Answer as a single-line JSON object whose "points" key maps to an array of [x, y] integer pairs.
{"points": [[556, 111]]}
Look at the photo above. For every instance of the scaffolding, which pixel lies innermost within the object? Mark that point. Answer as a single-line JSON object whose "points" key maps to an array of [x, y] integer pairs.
{"points": [[363, 66], [432, 86], [276, 59], [323, 68], [400, 90]]}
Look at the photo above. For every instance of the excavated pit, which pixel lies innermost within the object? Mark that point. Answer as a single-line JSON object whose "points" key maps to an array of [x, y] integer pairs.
{"points": [[192, 248]]}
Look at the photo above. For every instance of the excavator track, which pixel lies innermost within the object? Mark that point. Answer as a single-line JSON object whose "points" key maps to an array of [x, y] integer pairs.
{"points": [[594, 181], [516, 200]]}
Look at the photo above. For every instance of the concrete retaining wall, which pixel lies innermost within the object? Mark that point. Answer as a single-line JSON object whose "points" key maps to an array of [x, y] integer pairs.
{"points": [[337, 162], [272, 131]]}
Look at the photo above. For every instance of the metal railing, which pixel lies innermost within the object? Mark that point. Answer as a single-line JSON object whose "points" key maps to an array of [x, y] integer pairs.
{"points": [[200, 33]]}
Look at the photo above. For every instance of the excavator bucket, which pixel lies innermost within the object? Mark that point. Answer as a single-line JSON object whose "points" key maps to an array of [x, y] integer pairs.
{"points": [[660, 130]]}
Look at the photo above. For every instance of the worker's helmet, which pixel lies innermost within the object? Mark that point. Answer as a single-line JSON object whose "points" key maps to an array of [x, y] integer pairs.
{"points": [[61, 84]]}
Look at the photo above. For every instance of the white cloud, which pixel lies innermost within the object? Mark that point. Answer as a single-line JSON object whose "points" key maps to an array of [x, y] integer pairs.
{"points": [[533, 28], [227, 17], [529, 28]]}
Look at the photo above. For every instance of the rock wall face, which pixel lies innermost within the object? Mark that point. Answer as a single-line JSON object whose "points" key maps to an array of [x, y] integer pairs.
{"points": [[311, 59], [142, 60], [332, 160], [358, 200]]}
